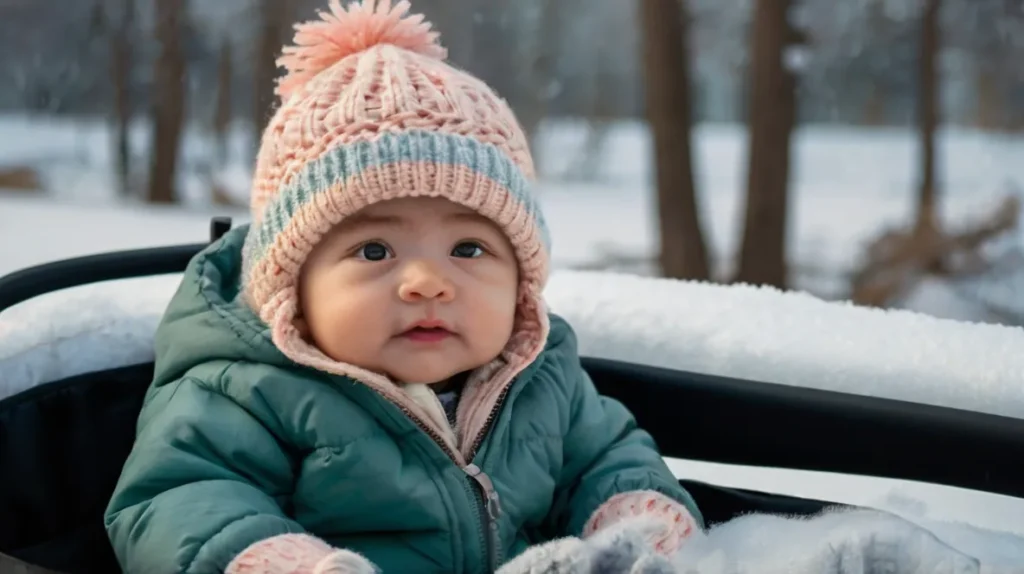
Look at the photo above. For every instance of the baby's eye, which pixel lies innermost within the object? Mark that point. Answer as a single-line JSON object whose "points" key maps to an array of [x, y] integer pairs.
{"points": [[467, 249], [373, 251]]}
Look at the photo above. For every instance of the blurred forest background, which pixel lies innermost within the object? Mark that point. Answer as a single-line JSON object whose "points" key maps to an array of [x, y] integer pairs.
{"points": [[769, 68]]}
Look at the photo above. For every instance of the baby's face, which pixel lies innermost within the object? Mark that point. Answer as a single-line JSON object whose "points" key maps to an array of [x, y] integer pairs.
{"points": [[419, 289]]}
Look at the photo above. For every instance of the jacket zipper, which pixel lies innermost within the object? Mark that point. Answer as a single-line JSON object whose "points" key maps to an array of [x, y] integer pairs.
{"points": [[490, 508], [492, 502], [491, 513], [490, 420]]}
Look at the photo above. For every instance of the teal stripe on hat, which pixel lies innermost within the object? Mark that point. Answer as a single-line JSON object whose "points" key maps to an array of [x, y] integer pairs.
{"points": [[346, 161]]}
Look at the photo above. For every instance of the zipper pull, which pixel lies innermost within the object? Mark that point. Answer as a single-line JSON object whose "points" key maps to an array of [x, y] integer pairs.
{"points": [[490, 494]]}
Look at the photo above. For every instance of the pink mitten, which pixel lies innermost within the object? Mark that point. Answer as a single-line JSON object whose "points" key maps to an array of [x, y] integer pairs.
{"points": [[675, 524], [298, 554]]}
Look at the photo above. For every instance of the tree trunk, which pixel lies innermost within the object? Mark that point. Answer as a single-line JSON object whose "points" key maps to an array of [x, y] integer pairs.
{"points": [[120, 69], [668, 101], [275, 18], [168, 101], [222, 111], [927, 108], [771, 116]]}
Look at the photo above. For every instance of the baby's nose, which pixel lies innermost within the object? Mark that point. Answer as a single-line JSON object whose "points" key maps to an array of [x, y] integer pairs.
{"points": [[422, 280]]}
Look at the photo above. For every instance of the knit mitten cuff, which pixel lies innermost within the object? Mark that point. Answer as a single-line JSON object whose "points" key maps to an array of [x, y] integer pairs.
{"points": [[298, 554], [675, 523]]}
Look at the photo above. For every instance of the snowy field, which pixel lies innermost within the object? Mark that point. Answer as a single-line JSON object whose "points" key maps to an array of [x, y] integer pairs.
{"points": [[847, 184]]}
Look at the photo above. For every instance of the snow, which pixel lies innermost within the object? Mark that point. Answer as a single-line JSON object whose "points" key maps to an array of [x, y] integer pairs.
{"points": [[36, 230], [979, 523], [793, 338], [737, 331], [81, 330]]}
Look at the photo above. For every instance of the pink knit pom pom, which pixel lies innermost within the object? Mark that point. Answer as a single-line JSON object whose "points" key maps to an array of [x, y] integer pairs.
{"points": [[343, 32]]}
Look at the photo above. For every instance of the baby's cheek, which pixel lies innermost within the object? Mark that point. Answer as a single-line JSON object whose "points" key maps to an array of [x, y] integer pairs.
{"points": [[493, 318], [348, 327], [502, 298]]}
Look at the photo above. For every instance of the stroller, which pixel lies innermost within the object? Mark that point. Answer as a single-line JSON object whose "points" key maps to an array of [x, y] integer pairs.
{"points": [[63, 441]]}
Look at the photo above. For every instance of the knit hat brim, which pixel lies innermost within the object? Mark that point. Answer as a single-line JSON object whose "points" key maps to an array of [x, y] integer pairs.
{"points": [[414, 163]]}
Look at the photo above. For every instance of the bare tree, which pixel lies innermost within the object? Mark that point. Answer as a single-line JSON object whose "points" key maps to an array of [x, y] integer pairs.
{"points": [[121, 42], [898, 259], [927, 109], [669, 113], [168, 101], [771, 116]]}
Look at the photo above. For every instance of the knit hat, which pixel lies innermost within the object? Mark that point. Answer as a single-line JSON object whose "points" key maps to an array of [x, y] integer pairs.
{"points": [[370, 111]]}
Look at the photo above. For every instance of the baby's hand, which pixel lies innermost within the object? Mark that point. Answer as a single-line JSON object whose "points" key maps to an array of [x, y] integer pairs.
{"points": [[298, 554], [665, 523]]}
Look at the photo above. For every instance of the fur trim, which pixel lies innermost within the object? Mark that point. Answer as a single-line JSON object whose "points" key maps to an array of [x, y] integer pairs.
{"points": [[562, 555]]}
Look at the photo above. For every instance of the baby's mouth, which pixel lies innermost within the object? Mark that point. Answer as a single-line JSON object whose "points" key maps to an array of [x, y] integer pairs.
{"points": [[427, 334], [427, 331]]}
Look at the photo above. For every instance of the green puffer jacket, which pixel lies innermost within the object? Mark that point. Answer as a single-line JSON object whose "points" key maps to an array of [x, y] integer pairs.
{"points": [[237, 444]]}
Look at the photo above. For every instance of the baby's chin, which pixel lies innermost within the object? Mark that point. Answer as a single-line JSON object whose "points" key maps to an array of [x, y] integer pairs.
{"points": [[425, 373], [432, 378], [432, 366]]}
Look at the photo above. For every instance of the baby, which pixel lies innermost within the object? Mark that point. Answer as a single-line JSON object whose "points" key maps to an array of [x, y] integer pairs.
{"points": [[366, 378]]}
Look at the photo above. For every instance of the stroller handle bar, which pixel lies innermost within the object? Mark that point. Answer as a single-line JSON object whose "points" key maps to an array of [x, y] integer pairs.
{"points": [[39, 280]]}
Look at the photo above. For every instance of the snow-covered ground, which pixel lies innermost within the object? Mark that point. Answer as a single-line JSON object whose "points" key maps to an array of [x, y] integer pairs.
{"points": [[847, 183]]}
